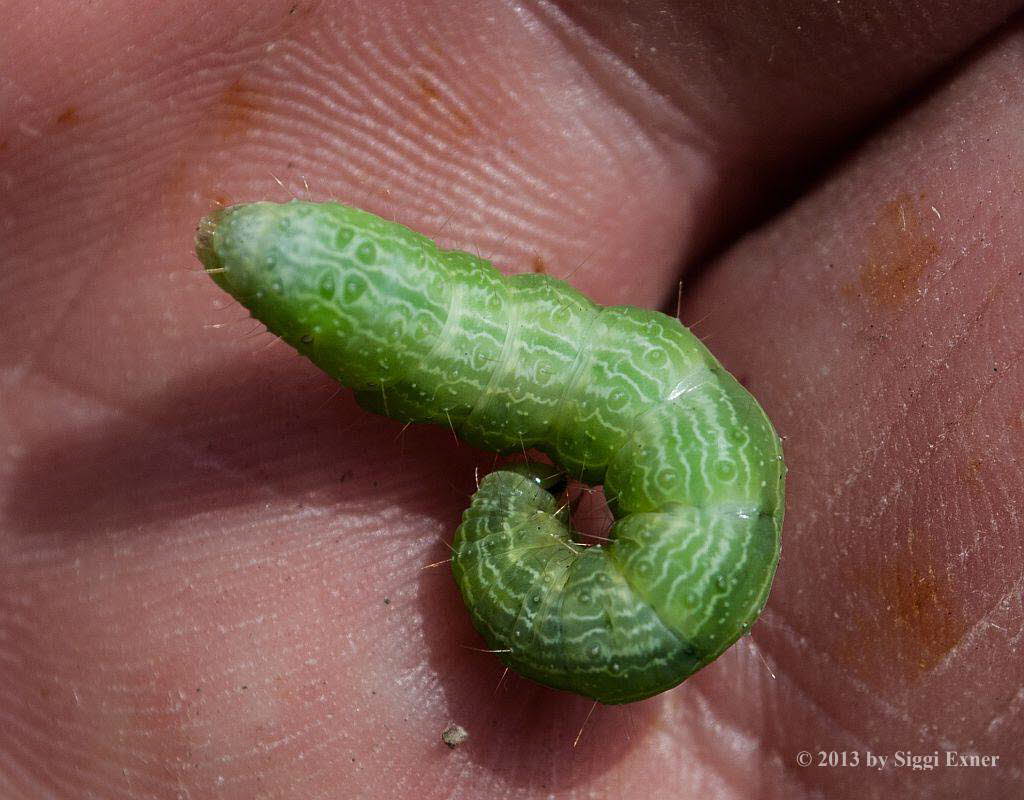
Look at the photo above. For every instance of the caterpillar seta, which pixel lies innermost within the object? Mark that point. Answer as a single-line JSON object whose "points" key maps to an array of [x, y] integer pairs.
{"points": [[616, 396]]}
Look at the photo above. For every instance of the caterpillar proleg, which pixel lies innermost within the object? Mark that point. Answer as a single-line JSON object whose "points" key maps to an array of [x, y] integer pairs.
{"points": [[616, 396]]}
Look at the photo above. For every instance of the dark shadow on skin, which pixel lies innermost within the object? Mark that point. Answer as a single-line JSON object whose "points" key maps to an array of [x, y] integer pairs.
{"points": [[275, 432], [221, 439]]}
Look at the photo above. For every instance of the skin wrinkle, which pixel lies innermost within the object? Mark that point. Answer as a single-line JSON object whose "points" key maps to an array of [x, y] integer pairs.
{"points": [[934, 449], [956, 343], [776, 621], [972, 634], [47, 341], [1013, 708], [865, 694], [630, 90]]}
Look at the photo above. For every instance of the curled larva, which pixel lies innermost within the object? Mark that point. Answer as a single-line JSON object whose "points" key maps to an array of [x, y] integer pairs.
{"points": [[618, 396]]}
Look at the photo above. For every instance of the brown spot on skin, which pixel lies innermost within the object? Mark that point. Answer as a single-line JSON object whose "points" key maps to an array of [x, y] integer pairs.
{"points": [[899, 252], [974, 473], [464, 125], [923, 612], [238, 107], [68, 117], [3, 146], [427, 90], [238, 96], [539, 266], [909, 616], [455, 118]]}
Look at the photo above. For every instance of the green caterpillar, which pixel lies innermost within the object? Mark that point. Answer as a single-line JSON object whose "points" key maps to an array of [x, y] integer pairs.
{"points": [[614, 395]]}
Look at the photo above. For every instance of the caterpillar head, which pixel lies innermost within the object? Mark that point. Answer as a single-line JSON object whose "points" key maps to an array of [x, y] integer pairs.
{"points": [[322, 276]]}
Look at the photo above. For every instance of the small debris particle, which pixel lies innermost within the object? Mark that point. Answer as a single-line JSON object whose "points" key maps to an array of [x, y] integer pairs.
{"points": [[387, 601], [454, 735]]}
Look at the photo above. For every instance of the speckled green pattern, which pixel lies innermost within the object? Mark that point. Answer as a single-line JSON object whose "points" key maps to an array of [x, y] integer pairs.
{"points": [[617, 396]]}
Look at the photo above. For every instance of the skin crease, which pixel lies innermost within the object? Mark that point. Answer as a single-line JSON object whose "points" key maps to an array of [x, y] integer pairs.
{"points": [[211, 565]]}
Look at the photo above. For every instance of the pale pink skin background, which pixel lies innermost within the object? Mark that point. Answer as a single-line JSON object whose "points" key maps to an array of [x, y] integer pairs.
{"points": [[211, 564]]}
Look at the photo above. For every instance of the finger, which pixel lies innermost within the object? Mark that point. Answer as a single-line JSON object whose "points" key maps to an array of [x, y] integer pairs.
{"points": [[881, 325]]}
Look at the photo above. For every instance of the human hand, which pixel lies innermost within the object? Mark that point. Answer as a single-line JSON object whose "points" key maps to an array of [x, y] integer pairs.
{"points": [[213, 577]]}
